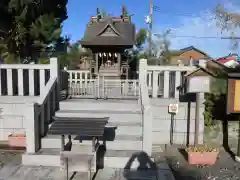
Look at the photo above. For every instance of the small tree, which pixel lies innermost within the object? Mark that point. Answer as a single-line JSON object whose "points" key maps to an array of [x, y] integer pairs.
{"points": [[228, 21], [30, 27], [161, 48], [215, 102], [137, 51]]}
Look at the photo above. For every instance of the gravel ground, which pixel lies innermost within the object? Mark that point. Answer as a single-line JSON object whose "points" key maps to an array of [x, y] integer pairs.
{"points": [[224, 169], [9, 157]]}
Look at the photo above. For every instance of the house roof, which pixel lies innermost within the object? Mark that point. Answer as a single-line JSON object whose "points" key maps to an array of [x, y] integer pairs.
{"points": [[223, 61], [200, 71], [193, 48], [230, 60], [123, 33], [216, 69], [227, 58], [183, 50]]}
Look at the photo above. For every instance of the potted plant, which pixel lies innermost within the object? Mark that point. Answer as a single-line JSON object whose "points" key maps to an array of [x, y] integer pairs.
{"points": [[17, 140], [202, 155]]}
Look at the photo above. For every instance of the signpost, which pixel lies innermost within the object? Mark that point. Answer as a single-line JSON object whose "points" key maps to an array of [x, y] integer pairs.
{"points": [[197, 85], [172, 110]]}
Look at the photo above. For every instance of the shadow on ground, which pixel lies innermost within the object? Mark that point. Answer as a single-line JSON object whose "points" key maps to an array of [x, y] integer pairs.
{"points": [[183, 153], [181, 172], [225, 139], [147, 169]]}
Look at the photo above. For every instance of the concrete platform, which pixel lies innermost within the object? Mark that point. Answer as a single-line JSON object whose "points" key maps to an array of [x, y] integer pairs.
{"points": [[91, 104], [118, 117]]}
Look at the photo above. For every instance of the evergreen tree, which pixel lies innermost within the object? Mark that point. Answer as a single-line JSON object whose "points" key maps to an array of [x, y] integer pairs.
{"points": [[30, 27]]}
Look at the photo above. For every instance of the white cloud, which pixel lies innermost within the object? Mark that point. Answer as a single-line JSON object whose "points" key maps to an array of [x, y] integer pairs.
{"points": [[204, 26]]}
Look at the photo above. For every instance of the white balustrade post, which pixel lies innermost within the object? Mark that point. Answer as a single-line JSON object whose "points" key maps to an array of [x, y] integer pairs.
{"points": [[9, 82], [147, 115], [42, 80], [96, 61], [20, 82], [54, 72], [31, 129], [177, 83], [155, 84], [54, 68], [166, 84], [142, 75], [119, 63]]}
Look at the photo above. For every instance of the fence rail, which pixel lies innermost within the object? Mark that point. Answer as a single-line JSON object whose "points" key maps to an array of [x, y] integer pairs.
{"points": [[26, 79], [164, 81], [19, 80], [104, 88]]}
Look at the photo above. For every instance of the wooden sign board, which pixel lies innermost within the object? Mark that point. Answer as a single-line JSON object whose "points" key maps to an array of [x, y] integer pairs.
{"points": [[198, 84], [233, 96]]}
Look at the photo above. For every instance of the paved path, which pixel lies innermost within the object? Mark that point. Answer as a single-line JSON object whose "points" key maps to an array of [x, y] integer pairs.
{"points": [[19, 172], [11, 169]]}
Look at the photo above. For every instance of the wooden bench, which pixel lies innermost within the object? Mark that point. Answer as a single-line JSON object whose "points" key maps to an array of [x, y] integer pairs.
{"points": [[80, 158]]}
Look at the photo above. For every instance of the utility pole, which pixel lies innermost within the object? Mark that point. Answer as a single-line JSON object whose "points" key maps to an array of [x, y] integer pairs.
{"points": [[150, 27]]}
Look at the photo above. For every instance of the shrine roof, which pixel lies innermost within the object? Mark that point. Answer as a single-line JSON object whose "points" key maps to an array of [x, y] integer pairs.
{"points": [[109, 31]]}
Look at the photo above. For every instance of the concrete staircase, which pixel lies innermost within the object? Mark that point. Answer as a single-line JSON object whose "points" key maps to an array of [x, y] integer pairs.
{"points": [[126, 115]]}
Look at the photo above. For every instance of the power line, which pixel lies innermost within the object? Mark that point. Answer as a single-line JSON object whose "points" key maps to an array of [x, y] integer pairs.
{"points": [[159, 10], [198, 37], [201, 37]]}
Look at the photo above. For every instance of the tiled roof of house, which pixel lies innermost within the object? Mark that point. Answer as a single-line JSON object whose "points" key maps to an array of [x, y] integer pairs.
{"points": [[179, 52], [228, 58]]}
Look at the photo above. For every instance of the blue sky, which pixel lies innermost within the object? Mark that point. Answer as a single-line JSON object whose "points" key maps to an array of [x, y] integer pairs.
{"points": [[183, 17]]}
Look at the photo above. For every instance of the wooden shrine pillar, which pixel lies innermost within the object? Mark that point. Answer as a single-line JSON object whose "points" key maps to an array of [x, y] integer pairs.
{"points": [[96, 65], [119, 63]]}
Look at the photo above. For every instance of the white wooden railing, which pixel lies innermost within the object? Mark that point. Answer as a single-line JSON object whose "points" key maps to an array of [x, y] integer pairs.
{"points": [[163, 81], [25, 79], [76, 76], [19, 80], [38, 114], [82, 84]]}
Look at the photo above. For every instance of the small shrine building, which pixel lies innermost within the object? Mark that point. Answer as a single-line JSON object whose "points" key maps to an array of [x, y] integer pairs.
{"points": [[108, 38]]}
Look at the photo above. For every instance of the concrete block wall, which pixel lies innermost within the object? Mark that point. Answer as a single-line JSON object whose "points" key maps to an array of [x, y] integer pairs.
{"points": [[20, 115], [12, 119], [162, 122]]}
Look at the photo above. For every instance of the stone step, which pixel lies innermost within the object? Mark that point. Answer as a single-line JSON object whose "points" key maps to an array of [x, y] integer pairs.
{"points": [[101, 105], [121, 142], [122, 128], [115, 117]]}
